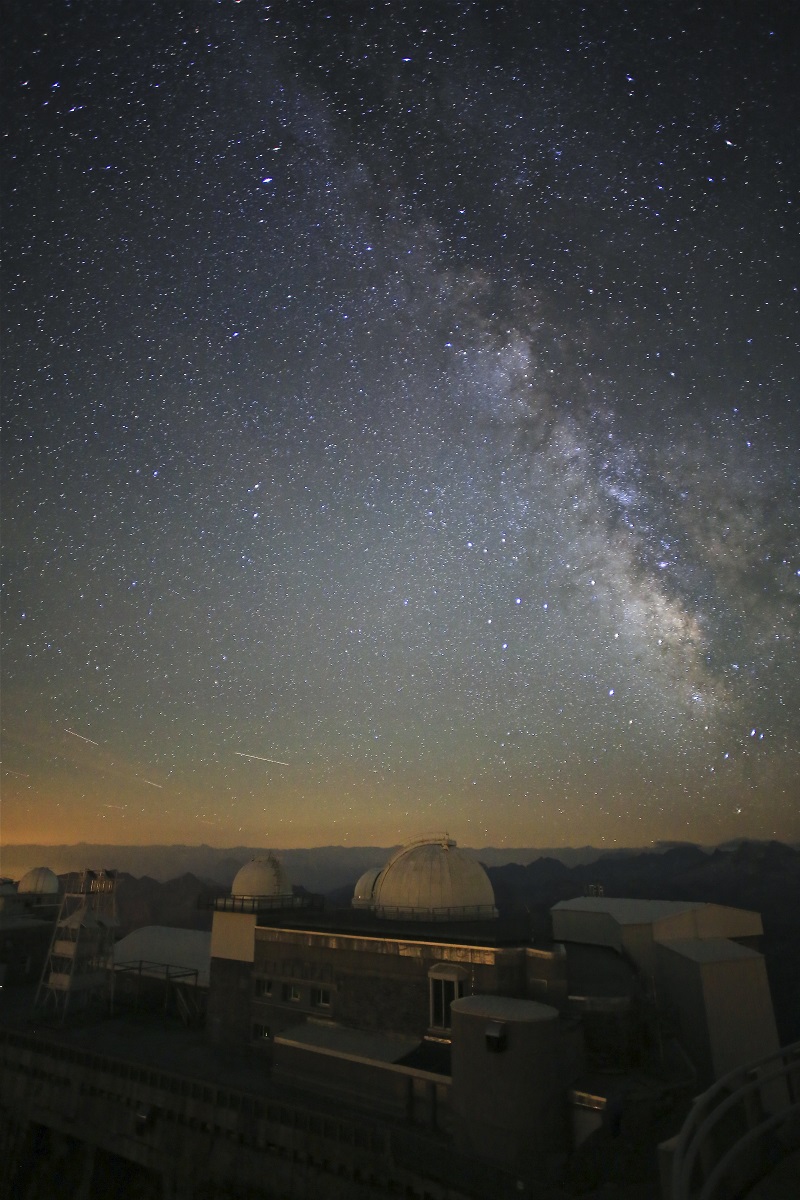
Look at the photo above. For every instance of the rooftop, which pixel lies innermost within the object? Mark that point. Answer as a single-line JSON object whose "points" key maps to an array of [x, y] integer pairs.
{"points": [[628, 912], [707, 950], [187, 949], [501, 931], [348, 1043]]}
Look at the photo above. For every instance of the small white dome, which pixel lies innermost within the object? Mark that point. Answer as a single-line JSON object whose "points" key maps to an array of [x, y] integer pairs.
{"points": [[261, 877], [41, 881], [364, 894], [432, 880]]}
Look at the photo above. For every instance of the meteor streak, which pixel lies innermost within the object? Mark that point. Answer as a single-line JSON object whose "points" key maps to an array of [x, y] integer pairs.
{"points": [[158, 785], [72, 733], [258, 758]]}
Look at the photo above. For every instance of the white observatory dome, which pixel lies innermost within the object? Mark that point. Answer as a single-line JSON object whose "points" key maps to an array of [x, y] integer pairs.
{"points": [[40, 881], [364, 894], [261, 877], [432, 880]]}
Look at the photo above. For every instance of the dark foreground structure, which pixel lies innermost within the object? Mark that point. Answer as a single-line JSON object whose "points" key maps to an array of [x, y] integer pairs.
{"points": [[415, 1045]]}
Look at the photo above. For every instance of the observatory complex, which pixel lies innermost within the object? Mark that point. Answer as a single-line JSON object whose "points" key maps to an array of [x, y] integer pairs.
{"points": [[415, 1043]]}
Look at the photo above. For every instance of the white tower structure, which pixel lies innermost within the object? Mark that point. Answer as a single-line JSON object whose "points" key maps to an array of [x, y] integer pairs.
{"points": [[79, 967]]}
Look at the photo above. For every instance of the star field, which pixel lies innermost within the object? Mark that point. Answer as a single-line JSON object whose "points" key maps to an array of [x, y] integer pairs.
{"points": [[401, 423]]}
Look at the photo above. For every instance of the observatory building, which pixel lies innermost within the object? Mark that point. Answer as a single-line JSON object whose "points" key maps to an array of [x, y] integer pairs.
{"points": [[40, 882], [427, 880], [419, 1042], [423, 1000], [361, 1004], [261, 877]]}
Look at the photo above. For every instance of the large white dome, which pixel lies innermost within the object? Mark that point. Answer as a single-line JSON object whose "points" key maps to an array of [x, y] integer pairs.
{"points": [[432, 880], [261, 877], [41, 881]]}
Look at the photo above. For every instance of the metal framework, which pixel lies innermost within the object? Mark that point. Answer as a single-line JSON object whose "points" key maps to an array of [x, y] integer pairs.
{"points": [[79, 967], [720, 1150], [180, 984]]}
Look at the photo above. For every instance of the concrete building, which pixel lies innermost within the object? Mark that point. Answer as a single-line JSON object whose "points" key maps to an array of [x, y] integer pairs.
{"points": [[417, 1042], [363, 1002], [695, 962]]}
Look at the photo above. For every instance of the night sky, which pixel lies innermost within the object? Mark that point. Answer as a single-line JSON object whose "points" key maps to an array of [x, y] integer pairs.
{"points": [[401, 422]]}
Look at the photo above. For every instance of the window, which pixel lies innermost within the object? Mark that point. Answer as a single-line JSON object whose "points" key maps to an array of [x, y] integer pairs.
{"points": [[263, 987], [446, 984], [443, 993], [260, 1033], [321, 997], [290, 991]]}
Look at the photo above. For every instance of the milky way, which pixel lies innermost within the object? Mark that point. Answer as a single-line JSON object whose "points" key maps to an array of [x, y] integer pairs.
{"points": [[401, 423]]}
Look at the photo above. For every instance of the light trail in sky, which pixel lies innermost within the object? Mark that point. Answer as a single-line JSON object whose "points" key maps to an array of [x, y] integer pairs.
{"points": [[259, 758], [72, 733]]}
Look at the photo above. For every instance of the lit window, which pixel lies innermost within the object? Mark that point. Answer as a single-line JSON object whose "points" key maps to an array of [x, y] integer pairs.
{"points": [[260, 1033]]}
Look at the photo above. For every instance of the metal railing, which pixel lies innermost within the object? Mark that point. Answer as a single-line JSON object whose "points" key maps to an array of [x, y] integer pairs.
{"points": [[725, 1134], [463, 912], [263, 904]]}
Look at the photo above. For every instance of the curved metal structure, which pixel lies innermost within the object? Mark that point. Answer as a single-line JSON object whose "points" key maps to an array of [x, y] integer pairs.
{"points": [[723, 1137]]}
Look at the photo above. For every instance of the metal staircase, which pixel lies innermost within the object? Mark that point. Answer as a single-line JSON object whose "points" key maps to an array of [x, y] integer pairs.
{"points": [[79, 966]]}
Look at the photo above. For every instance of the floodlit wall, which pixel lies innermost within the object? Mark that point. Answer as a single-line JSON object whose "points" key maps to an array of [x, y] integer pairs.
{"points": [[546, 975], [680, 994], [634, 926], [233, 936], [508, 1093], [191, 1136], [403, 1093], [741, 1020], [708, 921], [228, 1013], [721, 996], [637, 943], [371, 983], [593, 928]]}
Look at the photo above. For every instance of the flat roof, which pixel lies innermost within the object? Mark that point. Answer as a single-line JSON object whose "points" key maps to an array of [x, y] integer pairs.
{"points": [[352, 1043], [628, 912], [358, 922], [188, 949], [504, 1008], [706, 950]]}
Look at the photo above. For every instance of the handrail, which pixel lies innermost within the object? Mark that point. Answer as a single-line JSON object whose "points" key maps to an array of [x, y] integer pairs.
{"points": [[715, 1103], [720, 1110], [721, 1169]]}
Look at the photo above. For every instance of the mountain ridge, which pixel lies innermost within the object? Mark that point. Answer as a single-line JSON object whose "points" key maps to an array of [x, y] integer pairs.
{"points": [[318, 868]]}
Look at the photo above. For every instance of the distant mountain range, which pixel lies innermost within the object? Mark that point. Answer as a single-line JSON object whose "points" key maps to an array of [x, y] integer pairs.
{"points": [[319, 869]]}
